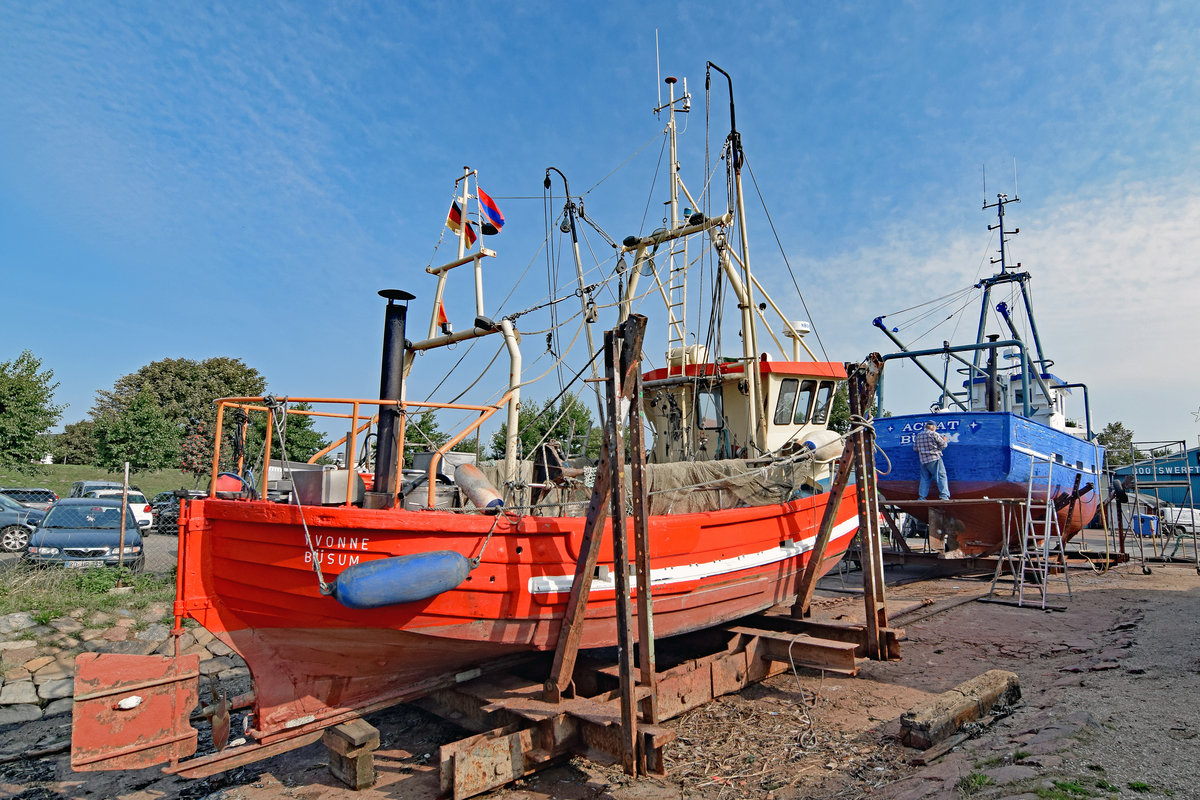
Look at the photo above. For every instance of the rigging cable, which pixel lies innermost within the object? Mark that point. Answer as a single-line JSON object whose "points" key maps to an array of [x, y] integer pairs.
{"points": [[787, 263]]}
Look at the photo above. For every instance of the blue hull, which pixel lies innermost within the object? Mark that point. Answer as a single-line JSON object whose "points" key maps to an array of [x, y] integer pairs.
{"points": [[990, 455]]}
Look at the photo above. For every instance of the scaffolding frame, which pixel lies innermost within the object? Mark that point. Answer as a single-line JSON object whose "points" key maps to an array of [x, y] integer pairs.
{"points": [[1161, 454]]}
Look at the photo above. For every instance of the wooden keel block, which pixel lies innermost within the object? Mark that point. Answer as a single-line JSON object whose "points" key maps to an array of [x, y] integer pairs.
{"points": [[940, 719], [352, 747]]}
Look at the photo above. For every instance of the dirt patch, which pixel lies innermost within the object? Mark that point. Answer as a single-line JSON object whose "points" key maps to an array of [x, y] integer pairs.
{"points": [[1108, 687]]}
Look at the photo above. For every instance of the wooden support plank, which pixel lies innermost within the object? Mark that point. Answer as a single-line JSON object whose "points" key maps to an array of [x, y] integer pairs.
{"points": [[808, 580], [352, 747], [624, 619], [632, 384], [804, 650], [570, 630], [897, 534], [492, 759]]}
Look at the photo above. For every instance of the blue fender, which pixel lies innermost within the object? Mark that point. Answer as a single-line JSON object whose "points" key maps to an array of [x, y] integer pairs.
{"points": [[401, 579]]}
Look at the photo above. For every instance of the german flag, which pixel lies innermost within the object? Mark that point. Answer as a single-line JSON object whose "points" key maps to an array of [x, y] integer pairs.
{"points": [[454, 223]]}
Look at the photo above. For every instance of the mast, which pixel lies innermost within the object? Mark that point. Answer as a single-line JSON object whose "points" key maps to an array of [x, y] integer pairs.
{"points": [[1003, 275], [757, 421], [584, 297], [1006, 275]]}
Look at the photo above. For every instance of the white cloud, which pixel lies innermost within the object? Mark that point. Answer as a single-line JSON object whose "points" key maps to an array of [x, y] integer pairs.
{"points": [[1116, 292]]}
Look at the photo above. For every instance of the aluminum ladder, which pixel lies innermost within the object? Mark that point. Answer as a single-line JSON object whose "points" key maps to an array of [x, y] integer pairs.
{"points": [[1043, 552]]}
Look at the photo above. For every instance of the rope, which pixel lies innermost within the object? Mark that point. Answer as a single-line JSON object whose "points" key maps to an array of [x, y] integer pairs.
{"points": [[276, 406], [808, 739], [474, 562]]}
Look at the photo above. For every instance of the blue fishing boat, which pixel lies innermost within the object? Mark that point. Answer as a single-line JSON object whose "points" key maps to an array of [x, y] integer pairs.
{"points": [[1007, 428]]}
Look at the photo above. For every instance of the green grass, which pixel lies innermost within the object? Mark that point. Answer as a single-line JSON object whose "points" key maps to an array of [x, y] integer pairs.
{"points": [[59, 477], [52, 593], [970, 784]]}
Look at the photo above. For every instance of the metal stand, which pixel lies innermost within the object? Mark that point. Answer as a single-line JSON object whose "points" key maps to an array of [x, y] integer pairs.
{"points": [[1151, 475]]}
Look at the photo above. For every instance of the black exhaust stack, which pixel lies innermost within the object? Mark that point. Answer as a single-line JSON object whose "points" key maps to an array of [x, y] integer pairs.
{"points": [[391, 387], [992, 387]]}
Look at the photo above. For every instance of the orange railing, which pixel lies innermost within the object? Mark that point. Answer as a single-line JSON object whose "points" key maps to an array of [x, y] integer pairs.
{"points": [[257, 404]]}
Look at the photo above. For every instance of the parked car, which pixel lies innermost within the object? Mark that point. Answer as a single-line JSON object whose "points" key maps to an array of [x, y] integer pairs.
{"points": [[81, 488], [165, 506], [137, 504], [32, 498], [1179, 520], [16, 523], [81, 532]]}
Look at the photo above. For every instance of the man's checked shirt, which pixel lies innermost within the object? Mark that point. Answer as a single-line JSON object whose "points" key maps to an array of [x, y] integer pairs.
{"points": [[929, 445]]}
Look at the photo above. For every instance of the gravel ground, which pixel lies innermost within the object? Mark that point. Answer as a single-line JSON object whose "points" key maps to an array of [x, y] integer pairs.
{"points": [[1108, 687]]}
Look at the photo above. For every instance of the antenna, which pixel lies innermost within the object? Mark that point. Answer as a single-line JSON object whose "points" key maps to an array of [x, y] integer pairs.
{"points": [[985, 185], [1015, 193], [657, 68]]}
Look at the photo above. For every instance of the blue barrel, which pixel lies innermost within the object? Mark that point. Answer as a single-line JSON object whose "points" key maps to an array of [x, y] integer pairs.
{"points": [[402, 579], [1145, 524]]}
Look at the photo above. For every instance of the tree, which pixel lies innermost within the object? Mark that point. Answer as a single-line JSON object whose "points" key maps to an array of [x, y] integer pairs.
{"points": [[1118, 442], [422, 434], [183, 389], [185, 392], [569, 422], [196, 453], [839, 415], [140, 433], [26, 410], [76, 444], [301, 441]]}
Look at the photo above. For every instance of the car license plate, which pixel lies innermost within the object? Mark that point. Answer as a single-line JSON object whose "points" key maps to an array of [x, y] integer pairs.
{"points": [[83, 564]]}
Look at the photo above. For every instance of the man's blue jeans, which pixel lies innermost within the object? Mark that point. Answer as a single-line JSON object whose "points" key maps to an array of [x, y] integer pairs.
{"points": [[934, 471]]}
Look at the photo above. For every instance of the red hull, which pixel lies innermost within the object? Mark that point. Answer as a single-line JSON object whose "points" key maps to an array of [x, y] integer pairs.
{"points": [[978, 529], [246, 575]]}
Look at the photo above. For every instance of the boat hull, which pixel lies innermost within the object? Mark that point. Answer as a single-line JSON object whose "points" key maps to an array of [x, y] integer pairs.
{"points": [[248, 577], [990, 456]]}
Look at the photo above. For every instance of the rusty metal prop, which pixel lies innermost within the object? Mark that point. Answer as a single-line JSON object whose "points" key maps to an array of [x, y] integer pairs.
{"points": [[132, 711], [862, 380]]}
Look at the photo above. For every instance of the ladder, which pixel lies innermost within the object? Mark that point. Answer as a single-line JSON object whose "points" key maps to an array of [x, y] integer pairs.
{"points": [[1043, 554], [677, 308]]}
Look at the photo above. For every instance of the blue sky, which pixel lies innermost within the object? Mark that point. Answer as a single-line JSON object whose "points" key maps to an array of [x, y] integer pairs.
{"points": [[192, 180]]}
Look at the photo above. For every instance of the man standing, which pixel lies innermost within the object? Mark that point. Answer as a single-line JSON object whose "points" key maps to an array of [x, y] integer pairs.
{"points": [[929, 445]]}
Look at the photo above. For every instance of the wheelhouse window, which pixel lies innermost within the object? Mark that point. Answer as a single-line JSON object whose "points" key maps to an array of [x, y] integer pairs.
{"points": [[710, 415], [804, 402], [820, 414], [786, 402]]}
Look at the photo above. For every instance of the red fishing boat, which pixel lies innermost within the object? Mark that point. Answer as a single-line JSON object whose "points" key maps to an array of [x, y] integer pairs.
{"points": [[346, 590]]}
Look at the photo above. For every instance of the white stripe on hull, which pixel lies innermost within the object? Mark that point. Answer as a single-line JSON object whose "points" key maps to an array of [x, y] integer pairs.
{"points": [[551, 584]]}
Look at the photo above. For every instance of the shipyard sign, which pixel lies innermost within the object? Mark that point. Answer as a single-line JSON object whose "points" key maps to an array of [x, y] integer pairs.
{"points": [[1175, 469]]}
